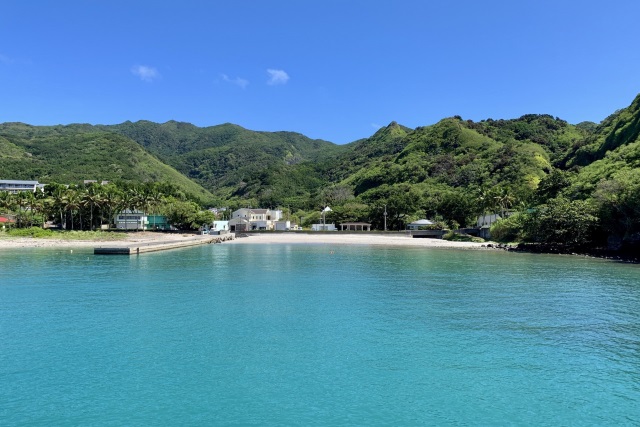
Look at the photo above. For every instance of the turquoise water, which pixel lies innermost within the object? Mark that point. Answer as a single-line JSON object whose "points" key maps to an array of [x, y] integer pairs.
{"points": [[317, 335]]}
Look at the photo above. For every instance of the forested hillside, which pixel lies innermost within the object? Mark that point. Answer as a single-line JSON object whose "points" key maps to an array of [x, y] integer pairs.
{"points": [[550, 171], [231, 161], [71, 154]]}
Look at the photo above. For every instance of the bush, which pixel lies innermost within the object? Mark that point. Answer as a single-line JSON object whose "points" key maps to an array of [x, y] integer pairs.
{"points": [[571, 223], [461, 237], [508, 229], [30, 232], [437, 225], [88, 235]]}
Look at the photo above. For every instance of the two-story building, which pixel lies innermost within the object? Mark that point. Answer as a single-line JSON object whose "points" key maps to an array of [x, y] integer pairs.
{"points": [[247, 219], [131, 220], [15, 186]]}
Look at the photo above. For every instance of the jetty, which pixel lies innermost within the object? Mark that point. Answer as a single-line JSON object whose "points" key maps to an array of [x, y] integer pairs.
{"points": [[140, 248]]}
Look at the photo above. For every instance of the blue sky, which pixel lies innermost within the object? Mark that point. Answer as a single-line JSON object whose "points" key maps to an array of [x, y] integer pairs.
{"points": [[331, 69]]}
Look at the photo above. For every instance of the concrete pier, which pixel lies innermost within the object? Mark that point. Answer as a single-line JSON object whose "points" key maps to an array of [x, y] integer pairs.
{"points": [[140, 248]]}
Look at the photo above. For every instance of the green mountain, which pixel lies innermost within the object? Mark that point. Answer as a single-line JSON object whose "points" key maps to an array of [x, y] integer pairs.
{"points": [[454, 169], [231, 161], [455, 153], [612, 150], [619, 129], [71, 154]]}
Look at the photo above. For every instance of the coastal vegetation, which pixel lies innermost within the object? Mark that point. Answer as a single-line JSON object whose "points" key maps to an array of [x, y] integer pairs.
{"points": [[75, 153], [551, 182], [46, 233], [92, 206]]}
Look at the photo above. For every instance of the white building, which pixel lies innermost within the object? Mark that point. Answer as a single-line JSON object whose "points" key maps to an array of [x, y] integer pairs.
{"points": [[131, 220], [487, 220], [247, 219], [219, 227], [283, 225], [323, 227], [15, 186]]}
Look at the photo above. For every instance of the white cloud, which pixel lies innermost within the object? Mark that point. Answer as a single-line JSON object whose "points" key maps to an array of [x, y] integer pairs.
{"points": [[277, 77], [237, 81], [146, 74]]}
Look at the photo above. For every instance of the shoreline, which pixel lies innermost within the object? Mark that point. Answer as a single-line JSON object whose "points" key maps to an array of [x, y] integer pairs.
{"points": [[257, 238], [61, 243], [301, 238], [354, 239]]}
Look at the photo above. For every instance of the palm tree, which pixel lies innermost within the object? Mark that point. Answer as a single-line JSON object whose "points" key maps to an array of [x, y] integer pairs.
{"points": [[127, 201], [6, 200], [58, 201], [29, 202], [91, 198], [142, 201], [41, 205], [111, 199], [505, 200], [487, 202], [21, 199], [72, 202], [155, 198]]}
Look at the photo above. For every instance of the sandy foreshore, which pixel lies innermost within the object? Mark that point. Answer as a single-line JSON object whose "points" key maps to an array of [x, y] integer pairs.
{"points": [[353, 239], [263, 238], [127, 239]]}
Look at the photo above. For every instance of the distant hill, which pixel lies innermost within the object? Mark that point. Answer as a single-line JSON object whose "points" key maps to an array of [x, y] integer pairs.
{"points": [[454, 159], [234, 162], [71, 154], [455, 153]]}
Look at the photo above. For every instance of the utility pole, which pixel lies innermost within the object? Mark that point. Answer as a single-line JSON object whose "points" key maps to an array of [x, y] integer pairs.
{"points": [[385, 217]]}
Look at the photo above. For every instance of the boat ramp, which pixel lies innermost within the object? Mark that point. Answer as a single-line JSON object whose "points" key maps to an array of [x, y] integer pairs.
{"points": [[144, 247]]}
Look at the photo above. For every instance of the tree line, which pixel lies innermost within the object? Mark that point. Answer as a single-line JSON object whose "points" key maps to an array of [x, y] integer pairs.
{"points": [[92, 206]]}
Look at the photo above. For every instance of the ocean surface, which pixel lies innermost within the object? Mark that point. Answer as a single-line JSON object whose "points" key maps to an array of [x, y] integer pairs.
{"points": [[317, 335]]}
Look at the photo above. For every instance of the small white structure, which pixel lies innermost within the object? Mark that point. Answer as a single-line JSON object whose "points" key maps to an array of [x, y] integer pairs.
{"points": [[239, 225], [415, 225], [355, 226], [282, 225], [220, 226], [487, 220], [131, 220], [323, 227]]}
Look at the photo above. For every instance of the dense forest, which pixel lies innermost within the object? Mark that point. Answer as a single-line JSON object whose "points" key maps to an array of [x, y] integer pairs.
{"points": [[558, 183]]}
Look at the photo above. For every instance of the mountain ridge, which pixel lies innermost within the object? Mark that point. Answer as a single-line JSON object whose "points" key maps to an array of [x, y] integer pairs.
{"points": [[451, 160]]}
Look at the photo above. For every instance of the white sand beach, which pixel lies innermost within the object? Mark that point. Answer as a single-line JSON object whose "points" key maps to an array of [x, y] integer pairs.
{"points": [[129, 238], [353, 239], [257, 238]]}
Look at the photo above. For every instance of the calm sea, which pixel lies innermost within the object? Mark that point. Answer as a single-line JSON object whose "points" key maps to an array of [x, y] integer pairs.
{"points": [[317, 335]]}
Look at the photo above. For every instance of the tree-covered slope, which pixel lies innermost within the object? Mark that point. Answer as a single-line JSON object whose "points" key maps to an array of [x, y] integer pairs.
{"points": [[453, 170], [71, 154], [460, 154], [617, 130], [226, 159]]}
